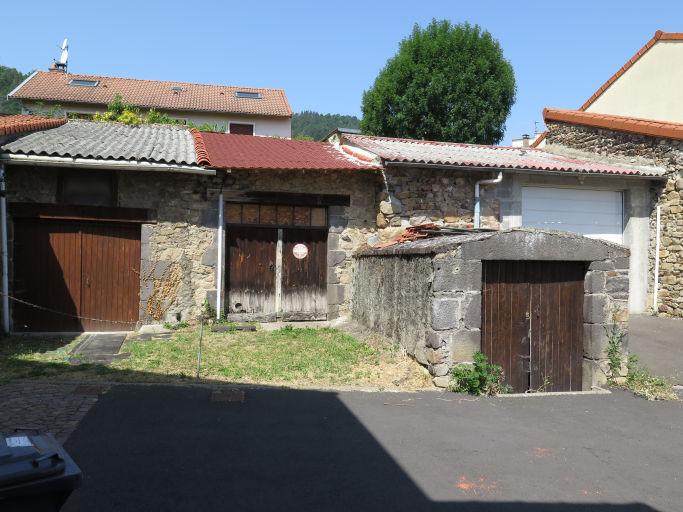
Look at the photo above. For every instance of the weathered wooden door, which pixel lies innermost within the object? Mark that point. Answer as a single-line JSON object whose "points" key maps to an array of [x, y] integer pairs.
{"points": [[304, 274], [251, 270], [75, 269], [532, 322], [110, 269]]}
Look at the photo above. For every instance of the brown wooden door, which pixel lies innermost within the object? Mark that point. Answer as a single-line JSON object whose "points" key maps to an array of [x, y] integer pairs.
{"points": [[110, 262], [79, 270], [532, 322], [251, 270], [304, 288]]}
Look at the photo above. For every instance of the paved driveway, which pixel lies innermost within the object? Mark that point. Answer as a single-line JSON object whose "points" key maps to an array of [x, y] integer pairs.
{"points": [[148, 448], [658, 342]]}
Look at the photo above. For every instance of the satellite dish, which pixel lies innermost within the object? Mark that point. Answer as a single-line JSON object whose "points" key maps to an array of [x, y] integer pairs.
{"points": [[65, 53]]}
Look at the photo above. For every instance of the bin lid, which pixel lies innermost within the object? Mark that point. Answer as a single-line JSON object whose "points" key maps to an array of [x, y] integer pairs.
{"points": [[29, 461]]}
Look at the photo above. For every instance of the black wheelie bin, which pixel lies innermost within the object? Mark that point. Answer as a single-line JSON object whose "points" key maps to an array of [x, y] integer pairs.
{"points": [[36, 473]]}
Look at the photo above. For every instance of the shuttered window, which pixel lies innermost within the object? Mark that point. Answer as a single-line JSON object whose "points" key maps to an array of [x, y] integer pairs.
{"points": [[275, 215]]}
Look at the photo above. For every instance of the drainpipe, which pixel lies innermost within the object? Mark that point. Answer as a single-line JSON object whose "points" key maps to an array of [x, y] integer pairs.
{"points": [[477, 203], [219, 261], [3, 251], [656, 271]]}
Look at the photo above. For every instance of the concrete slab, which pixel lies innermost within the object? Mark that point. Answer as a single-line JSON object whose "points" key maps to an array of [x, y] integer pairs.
{"points": [[174, 448], [658, 342], [101, 348]]}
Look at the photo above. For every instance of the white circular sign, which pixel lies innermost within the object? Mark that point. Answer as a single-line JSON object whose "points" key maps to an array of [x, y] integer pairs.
{"points": [[300, 251]]}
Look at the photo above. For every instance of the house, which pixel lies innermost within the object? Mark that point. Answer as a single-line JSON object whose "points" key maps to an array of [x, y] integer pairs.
{"points": [[258, 227], [242, 110]]}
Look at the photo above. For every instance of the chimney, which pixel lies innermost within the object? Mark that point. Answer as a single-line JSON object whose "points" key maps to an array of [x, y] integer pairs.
{"points": [[57, 68], [525, 140]]}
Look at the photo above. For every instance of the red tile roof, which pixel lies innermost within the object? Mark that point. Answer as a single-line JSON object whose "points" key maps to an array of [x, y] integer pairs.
{"points": [[452, 154], [659, 36], [618, 123], [159, 94], [27, 123], [230, 151]]}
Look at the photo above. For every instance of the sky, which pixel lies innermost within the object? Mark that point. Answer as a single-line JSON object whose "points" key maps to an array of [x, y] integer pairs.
{"points": [[325, 54]]}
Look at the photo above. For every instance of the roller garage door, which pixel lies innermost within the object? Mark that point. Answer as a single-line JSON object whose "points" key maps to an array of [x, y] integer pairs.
{"points": [[76, 269], [593, 213]]}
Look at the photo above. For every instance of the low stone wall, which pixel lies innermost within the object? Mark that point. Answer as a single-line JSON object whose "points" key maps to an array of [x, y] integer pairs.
{"points": [[644, 150], [426, 295]]}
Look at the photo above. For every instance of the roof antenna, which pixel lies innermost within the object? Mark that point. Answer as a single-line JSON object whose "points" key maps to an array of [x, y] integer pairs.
{"points": [[60, 65]]}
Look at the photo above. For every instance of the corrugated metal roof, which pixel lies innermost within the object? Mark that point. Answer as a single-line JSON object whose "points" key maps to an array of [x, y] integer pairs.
{"points": [[159, 94], [493, 157], [230, 151], [113, 141]]}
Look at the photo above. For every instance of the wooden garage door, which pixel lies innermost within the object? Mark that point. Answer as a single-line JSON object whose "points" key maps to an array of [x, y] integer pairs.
{"points": [[304, 274], [251, 270], [84, 269], [532, 322]]}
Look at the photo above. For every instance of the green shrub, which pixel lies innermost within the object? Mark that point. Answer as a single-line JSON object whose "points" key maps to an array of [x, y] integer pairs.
{"points": [[478, 378], [177, 325]]}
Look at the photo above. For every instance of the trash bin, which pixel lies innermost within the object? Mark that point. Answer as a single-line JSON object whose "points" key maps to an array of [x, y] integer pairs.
{"points": [[36, 473]]}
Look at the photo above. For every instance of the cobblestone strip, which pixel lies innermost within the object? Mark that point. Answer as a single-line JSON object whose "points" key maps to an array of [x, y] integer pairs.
{"points": [[51, 407]]}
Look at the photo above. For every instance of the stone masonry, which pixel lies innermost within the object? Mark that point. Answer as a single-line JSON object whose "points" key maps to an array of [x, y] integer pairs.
{"points": [[644, 150], [426, 294]]}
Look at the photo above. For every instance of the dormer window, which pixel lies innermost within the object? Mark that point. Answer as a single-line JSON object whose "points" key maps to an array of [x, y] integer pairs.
{"points": [[248, 95], [176, 89], [83, 83]]}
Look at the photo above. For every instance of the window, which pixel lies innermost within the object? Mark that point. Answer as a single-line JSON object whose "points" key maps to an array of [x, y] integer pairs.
{"points": [[83, 83], [276, 215], [89, 188], [248, 94], [241, 128]]}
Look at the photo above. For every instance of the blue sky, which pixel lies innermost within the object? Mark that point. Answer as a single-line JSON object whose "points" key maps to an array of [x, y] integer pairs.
{"points": [[325, 54]]}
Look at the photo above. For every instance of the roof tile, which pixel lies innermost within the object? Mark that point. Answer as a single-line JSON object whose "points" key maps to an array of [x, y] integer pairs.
{"points": [[231, 151], [54, 86], [10, 125], [649, 127], [486, 157]]}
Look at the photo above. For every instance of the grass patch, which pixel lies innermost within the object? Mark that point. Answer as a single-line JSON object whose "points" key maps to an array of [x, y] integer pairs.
{"points": [[644, 383], [288, 356]]}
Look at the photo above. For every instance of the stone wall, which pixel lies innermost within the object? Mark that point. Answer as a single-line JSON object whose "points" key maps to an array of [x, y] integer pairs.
{"points": [[643, 150], [178, 251], [426, 295], [418, 195]]}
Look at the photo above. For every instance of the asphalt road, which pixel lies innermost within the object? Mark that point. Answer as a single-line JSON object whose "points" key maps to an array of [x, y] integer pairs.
{"points": [[658, 343], [145, 448]]}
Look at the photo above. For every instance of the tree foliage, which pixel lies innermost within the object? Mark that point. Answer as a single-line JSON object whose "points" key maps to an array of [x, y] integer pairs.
{"points": [[9, 79], [447, 82], [314, 126]]}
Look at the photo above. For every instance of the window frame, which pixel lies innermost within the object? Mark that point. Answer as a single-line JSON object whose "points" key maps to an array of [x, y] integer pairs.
{"points": [[84, 82], [246, 123]]}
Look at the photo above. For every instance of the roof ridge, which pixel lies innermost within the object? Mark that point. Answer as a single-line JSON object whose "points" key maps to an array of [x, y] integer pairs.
{"points": [[201, 153], [433, 142], [179, 82]]}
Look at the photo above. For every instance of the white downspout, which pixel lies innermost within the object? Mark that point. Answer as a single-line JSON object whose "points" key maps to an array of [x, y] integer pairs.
{"points": [[219, 260], [477, 203], [3, 251], [655, 279]]}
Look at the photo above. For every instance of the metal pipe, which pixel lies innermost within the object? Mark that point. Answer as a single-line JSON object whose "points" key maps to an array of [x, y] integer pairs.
{"points": [[3, 251], [477, 202], [219, 261], [655, 301]]}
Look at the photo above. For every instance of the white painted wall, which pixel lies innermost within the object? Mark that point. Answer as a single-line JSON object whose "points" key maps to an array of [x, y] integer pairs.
{"points": [[263, 125], [650, 88], [636, 217]]}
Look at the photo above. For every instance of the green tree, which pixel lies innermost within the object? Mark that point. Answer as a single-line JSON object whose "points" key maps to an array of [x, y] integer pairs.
{"points": [[447, 82], [308, 125], [9, 79]]}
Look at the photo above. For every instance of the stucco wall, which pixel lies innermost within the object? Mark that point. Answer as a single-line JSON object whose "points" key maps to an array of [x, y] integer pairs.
{"points": [[263, 125], [650, 88], [640, 149]]}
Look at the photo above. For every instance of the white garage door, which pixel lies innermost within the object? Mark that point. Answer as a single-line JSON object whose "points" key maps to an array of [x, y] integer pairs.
{"points": [[594, 213]]}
